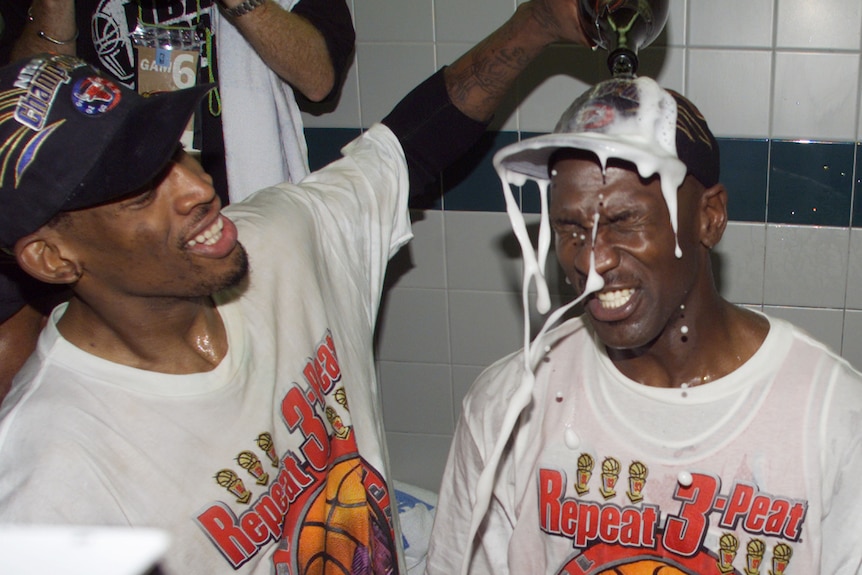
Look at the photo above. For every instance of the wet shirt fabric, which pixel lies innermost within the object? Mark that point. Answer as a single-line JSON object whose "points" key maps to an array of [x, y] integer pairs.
{"points": [[749, 474], [273, 462]]}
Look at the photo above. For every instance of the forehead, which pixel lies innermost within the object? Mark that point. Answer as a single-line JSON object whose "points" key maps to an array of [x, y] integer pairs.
{"points": [[580, 176]]}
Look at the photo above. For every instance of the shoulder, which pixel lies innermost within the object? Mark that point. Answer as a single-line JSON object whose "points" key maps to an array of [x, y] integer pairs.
{"points": [[372, 160], [798, 341], [369, 181], [46, 466], [803, 364]]}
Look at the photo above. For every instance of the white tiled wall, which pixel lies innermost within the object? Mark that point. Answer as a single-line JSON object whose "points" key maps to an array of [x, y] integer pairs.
{"points": [[756, 68]]}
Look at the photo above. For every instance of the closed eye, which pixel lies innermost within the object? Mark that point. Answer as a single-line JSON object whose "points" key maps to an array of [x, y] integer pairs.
{"points": [[144, 195], [141, 199], [567, 226], [621, 217], [628, 219]]}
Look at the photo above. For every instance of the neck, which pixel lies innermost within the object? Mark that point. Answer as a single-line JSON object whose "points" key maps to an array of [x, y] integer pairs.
{"points": [[176, 336], [702, 343]]}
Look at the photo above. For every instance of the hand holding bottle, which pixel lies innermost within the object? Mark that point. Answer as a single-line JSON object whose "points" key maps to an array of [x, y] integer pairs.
{"points": [[623, 27]]}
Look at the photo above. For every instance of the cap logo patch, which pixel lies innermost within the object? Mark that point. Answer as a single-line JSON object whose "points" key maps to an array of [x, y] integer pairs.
{"points": [[607, 103], [40, 81], [596, 117], [95, 95]]}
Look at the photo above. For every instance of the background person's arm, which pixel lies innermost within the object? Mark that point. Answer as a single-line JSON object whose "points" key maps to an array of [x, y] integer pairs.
{"points": [[51, 29], [294, 47]]}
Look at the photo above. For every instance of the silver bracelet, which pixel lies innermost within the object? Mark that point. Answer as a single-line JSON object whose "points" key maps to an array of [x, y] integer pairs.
{"points": [[243, 8], [41, 33]]}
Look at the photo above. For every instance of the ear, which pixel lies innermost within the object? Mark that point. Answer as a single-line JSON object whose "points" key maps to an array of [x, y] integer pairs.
{"points": [[713, 213], [41, 256]]}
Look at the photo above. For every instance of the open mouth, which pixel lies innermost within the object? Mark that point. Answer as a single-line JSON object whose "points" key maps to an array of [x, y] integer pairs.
{"points": [[615, 299], [209, 236]]}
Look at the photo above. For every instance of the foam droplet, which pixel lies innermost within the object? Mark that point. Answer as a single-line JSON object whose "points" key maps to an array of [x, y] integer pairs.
{"points": [[543, 300], [684, 329], [684, 478], [595, 282], [572, 440]]}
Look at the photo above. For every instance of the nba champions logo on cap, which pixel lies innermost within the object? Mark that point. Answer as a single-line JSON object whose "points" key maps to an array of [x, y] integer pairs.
{"points": [[94, 95], [37, 86], [30, 99]]}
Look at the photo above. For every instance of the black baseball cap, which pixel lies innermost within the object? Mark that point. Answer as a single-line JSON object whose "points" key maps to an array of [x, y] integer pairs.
{"points": [[75, 138], [626, 119]]}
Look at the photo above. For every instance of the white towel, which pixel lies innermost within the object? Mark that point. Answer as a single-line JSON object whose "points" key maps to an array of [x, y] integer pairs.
{"points": [[416, 508], [263, 137]]}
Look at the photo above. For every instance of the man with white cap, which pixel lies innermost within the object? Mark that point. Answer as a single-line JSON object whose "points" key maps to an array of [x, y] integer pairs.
{"points": [[666, 430], [212, 374]]}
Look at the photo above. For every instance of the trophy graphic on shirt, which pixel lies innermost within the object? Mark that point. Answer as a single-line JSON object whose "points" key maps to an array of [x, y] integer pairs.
{"points": [[781, 554], [754, 556], [341, 430], [610, 475], [728, 544], [637, 481], [585, 472], [230, 481], [265, 442], [251, 463]]}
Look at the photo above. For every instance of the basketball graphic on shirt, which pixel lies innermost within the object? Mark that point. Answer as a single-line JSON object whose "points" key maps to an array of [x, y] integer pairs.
{"points": [[344, 531], [644, 567], [605, 559]]}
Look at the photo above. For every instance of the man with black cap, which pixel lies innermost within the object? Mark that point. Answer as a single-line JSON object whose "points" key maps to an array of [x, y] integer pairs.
{"points": [[177, 389], [665, 430]]}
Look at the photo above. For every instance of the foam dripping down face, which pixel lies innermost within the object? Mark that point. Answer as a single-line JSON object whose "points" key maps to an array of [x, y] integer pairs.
{"points": [[645, 137]]}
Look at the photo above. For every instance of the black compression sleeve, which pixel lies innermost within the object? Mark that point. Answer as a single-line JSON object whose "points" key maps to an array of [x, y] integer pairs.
{"points": [[332, 18], [432, 131]]}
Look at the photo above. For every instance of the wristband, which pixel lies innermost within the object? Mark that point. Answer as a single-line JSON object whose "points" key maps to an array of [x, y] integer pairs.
{"points": [[41, 33], [243, 8]]}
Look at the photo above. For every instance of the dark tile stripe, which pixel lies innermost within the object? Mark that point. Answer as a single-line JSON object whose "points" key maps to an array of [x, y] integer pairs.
{"points": [[775, 181]]}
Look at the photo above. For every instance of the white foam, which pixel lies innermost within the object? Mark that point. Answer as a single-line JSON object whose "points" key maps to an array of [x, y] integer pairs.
{"points": [[534, 266], [572, 440]]}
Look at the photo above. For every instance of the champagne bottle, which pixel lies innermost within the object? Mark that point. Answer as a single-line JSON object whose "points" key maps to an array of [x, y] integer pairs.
{"points": [[622, 27]]}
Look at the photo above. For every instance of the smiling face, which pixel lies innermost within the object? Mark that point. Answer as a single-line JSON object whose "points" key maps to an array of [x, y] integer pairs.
{"points": [[645, 283], [167, 240]]}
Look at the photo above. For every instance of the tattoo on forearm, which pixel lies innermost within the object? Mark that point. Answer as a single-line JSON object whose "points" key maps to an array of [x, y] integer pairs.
{"points": [[490, 74]]}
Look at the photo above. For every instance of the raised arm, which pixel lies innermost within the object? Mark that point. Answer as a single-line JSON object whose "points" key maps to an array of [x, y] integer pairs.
{"points": [[443, 117], [50, 27], [308, 47], [479, 79]]}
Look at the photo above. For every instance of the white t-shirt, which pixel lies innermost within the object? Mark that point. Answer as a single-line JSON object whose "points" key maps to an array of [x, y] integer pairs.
{"points": [[752, 473], [275, 456]]}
